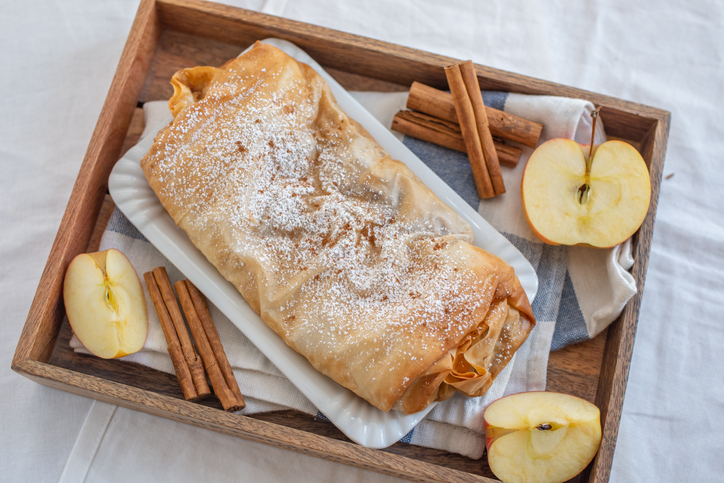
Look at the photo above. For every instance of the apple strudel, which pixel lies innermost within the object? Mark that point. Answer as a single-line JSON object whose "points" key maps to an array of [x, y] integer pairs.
{"points": [[340, 249]]}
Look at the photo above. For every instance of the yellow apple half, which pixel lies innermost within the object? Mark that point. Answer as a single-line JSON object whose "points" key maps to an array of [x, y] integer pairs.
{"points": [[105, 304], [540, 437], [566, 204]]}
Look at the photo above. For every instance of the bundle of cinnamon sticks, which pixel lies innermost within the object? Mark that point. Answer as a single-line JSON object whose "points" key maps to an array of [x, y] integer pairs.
{"points": [[191, 370], [460, 120]]}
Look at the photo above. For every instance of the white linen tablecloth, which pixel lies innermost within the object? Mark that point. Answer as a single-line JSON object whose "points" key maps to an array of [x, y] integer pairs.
{"points": [[58, 61]]}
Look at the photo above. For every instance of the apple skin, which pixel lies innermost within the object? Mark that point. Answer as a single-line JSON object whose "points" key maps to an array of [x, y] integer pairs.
{"points": [[520, 451], [105, 304], [617, 203]]}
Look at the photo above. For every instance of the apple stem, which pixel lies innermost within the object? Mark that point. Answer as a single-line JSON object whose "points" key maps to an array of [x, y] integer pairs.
{"points": [[594, 116], [585, 189]]}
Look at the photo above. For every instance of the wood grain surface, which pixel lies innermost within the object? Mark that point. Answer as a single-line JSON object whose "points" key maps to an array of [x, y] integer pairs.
{"points": [[169, 35]]}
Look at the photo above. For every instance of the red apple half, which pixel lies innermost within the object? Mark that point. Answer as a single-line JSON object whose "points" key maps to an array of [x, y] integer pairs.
{"points": [[541, 437], [105, 304], [568, 201]]}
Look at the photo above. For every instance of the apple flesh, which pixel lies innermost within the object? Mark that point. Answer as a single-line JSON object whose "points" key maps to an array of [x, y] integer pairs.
{"points": [[541, 436], [569, 200], [105, 304]]}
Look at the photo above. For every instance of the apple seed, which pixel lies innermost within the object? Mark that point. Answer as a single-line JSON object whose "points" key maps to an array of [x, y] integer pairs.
{"points": [[111, 300], [582, 193]]}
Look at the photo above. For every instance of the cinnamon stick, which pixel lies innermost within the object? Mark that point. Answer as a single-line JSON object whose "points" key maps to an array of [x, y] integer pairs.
{"points": [[470, 79], [174, 349], [218, 382], [196, 366], [468, 126], [445, 133], [439, 104], [202, 309]]}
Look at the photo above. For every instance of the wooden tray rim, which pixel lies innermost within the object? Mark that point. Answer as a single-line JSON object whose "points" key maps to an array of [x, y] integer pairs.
{"points": [[43, 319]]}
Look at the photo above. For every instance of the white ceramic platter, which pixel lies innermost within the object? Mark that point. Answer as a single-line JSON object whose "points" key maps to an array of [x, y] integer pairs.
{"points": [[359, 420]]}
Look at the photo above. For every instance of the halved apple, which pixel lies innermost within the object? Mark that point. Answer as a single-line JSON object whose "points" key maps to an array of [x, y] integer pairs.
{"points": [[569, 199], [540, 437], [105, 304]]}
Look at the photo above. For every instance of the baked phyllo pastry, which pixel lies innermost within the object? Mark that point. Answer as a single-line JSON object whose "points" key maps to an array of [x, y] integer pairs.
{"points": [[340, 249]]}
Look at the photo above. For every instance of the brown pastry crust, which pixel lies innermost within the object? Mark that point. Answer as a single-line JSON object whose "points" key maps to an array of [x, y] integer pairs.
{"points": [[342, 250]]}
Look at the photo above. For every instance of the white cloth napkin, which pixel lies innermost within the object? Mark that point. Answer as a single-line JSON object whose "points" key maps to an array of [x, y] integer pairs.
{"points": [[455, 425]]}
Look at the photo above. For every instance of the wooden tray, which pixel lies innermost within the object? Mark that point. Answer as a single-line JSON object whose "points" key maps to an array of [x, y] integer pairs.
{"points": [[168, 35]]}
